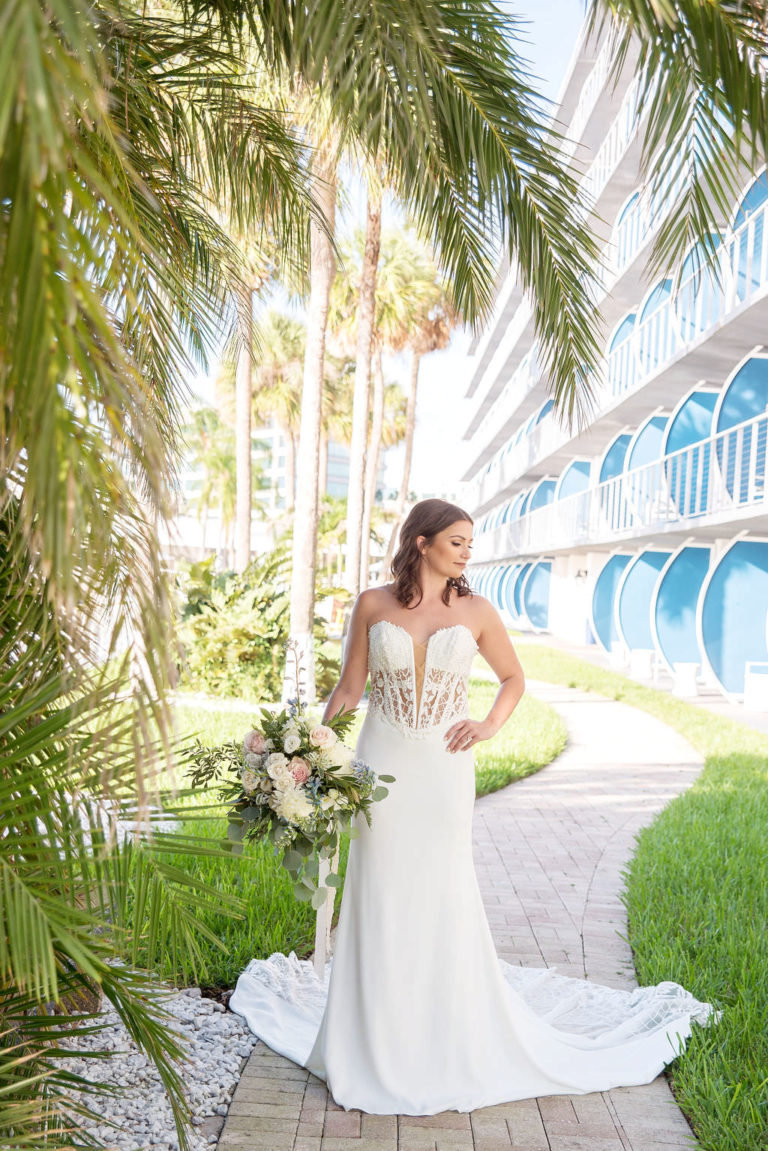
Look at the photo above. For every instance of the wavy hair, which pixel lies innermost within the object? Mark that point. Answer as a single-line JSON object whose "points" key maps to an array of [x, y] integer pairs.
{"points": [[426, 518]]}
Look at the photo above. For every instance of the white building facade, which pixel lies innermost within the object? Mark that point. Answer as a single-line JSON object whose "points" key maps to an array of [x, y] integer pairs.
{"points": [[647, 532]]}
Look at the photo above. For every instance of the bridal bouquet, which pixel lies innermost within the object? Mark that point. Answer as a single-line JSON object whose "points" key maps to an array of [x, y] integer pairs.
{"points": [[295, 781]]}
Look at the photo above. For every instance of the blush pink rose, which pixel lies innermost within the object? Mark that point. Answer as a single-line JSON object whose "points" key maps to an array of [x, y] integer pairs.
{"points": [[322, 736], [300, 770], [254, 743]]}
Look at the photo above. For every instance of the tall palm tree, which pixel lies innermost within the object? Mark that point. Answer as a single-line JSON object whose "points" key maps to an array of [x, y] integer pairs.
{"points": [[436, 94], [211, 445], [365, 315], [114, 278], [322, 272]]}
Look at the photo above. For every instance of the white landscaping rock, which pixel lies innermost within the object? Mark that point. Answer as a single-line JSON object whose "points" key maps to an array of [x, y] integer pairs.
{"points": [[215, 1042]]}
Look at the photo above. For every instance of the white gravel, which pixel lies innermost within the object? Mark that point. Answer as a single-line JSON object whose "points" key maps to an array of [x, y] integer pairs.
{"points": [[215, 1041]]}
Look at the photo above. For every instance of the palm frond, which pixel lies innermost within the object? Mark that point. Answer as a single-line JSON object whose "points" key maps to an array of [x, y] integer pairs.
{"points": [[704, 96]]}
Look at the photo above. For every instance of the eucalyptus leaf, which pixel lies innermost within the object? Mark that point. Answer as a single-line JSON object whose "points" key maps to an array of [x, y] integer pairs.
{"points": [[333, 880], [251, 813], [387, 778], [301, 892], [318, 899], [235, 830], [379, 793]]}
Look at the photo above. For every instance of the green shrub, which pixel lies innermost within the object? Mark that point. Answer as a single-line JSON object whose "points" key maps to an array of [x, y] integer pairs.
{"points": [[234, 629]]}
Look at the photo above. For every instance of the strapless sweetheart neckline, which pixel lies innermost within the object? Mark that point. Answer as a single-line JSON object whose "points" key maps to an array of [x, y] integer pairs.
{"points": [[425, 642]]}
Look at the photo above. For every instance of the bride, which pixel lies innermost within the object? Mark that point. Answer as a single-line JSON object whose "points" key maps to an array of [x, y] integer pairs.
{"points": [[418, 1014]]}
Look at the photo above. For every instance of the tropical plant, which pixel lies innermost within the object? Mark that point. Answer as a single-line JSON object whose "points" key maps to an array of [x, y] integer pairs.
{"points": [[211, 452], [81, 908], [234, 628], [278, 355], [434, 94], [118, 124]]}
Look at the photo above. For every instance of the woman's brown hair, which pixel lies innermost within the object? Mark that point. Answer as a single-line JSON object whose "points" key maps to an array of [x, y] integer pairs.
{"points": [[426, 518]]}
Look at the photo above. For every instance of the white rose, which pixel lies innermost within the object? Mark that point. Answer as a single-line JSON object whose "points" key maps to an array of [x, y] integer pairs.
{"points": [[292, 742], [275, 762], [342, 758], [322, 736], [252, 759], [293, 805], [249, 781], [284, 780]]}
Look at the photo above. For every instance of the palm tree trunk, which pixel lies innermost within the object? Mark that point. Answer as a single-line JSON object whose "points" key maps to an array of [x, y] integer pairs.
{"points": [[410, 426], [366, 316], [290, 470], [322, 475], [372, 467], [322, 271], [243, 398]]}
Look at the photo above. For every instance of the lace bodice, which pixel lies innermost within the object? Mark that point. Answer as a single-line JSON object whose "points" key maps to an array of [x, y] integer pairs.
{"points": [[419, 688]]}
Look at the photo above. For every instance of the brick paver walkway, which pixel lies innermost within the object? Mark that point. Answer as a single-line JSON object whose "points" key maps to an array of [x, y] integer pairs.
{"points": [[549, 853]]}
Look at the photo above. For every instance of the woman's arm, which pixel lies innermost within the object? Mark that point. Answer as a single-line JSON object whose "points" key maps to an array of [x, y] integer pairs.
{"points": [[354, 668], [496, 647]]}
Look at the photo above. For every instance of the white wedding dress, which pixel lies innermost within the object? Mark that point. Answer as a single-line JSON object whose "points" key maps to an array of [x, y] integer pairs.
{"points": [[418, 1014]]}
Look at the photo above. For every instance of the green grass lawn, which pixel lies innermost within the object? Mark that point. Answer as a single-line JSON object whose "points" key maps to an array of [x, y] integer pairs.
{"points": [[697, 900], [272, 919]]}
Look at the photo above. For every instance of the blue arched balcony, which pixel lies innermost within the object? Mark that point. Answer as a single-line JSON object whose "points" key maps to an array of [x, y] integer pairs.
{"points": [[622, 366], [634, 597], [628, 231], [612, 504], [733, 609], [517, 590], [573, 478], [741, 451], [535, 595], [543, 493], [654, 331], [699, 297], [506, 591], [612, 462], [688, 474], [747, 246], [544, 410], [675, 603], [604, 598], [641, 489]]}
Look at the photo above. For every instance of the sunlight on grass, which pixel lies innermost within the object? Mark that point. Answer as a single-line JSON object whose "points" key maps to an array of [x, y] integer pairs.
{"points": [[697, 901]]}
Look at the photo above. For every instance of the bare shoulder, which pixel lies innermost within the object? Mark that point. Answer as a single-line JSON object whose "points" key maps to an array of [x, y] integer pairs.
{"points": [[481, 612], [374, 601]]}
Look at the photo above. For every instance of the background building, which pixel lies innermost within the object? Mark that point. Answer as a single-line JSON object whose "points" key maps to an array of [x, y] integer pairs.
{"points": [[647, 533]]}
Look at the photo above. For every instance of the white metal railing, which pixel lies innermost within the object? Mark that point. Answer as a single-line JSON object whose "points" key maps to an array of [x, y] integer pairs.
{"points": [[715, 477], [615, 144], [520, 383], [599, 172], [697, 306], [592, 88]]}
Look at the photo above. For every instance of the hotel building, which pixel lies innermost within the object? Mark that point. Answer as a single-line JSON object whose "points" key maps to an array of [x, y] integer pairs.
{"points": [[646, 532]]}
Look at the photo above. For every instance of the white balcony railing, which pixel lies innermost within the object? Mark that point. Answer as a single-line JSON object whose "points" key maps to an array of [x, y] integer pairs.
{"points": [[520, 383], [714, 478], [592, 88], [697, 307]]}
